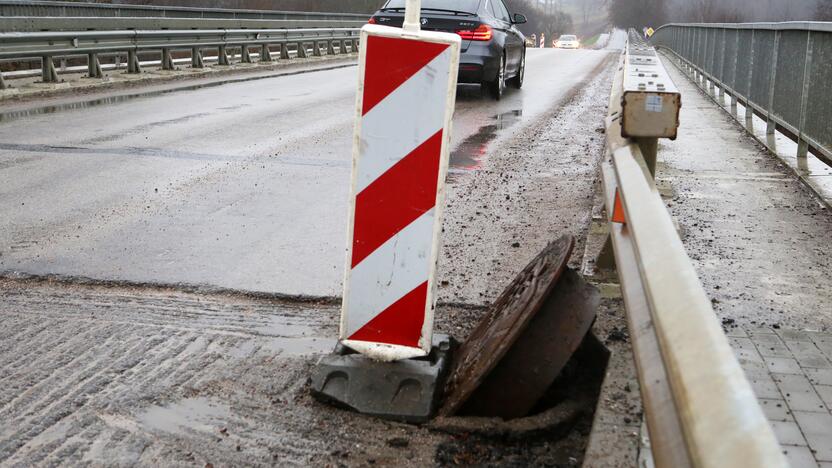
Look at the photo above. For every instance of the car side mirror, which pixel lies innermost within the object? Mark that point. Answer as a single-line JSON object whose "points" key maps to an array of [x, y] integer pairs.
{"points": [[519, 19]]}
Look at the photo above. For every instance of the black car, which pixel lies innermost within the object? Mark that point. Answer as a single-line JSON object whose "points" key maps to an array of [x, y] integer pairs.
{"points": [[493, 49]]}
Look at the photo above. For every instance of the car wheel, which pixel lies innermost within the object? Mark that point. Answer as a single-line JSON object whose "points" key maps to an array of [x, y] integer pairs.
{"points": [[517, 81], [498, 86]]}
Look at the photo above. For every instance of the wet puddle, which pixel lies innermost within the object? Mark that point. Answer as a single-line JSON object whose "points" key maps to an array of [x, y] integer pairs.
{"points": [[190, 414], [469, 155]]}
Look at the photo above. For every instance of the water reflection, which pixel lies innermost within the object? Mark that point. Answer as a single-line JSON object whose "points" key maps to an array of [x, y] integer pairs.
{"points": [[469, 155]]}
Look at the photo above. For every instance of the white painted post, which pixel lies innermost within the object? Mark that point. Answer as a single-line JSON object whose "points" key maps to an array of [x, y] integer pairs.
{"points": [[412, 13]]}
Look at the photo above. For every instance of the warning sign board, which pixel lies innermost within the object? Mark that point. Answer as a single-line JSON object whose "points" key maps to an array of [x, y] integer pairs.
{"points": [[406, 97]]}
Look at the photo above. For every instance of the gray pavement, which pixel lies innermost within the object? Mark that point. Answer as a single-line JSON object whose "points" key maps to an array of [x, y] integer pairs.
{"points": [[757, 237]]}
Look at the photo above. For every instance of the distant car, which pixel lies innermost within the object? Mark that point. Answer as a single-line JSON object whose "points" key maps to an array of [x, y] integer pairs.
{"points": [[568, 41], [493, 50]]}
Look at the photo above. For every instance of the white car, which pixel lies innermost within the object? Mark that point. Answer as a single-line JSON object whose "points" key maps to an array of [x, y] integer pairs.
{"points": [[568, 41]]}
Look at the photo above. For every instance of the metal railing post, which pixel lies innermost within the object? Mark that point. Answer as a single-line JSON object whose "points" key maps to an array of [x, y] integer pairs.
{"points": [[771, 125], [133, 65], [245, 56], [316, 49], [196, 58], [167, 60], [330, 47], [48, 73], [284, 51], [802, 144], [222, 56], [265, 53], [734, 75], [3, 84], [749, 111], [93, 66], [302, 51], [721, 76]]}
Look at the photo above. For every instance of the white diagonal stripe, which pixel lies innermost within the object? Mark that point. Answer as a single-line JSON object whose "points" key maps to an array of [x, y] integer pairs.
{"points": [[393, 270], [401, 122]]}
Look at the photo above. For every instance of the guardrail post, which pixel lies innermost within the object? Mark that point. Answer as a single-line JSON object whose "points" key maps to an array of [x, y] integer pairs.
{"points": [[349, 46], [770, 124], [3, 82], [302, 51], [196, 58], [133, 65], [316, 49], [649, 149], [802, 144], [93, 66], [167, 60], [48, 73], [222, 56], [284, 51], [265, 53], [330, 47], [245, 57]]}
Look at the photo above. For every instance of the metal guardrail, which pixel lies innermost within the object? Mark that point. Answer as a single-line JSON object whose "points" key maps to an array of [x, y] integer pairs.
{"points": [[779, 71], [48, 45], [699, 407], [79, 9], [40, 24]]}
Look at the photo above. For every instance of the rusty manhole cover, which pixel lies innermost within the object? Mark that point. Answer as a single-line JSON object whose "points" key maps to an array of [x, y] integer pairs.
{"points": [[504, 322]]}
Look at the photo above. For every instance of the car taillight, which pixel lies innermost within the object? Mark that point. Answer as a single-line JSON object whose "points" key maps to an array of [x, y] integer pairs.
{"points": [[482, 33], [372, 21]]}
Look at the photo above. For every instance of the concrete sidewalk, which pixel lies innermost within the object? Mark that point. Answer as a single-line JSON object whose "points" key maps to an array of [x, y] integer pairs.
{"points": [[759, 240]]}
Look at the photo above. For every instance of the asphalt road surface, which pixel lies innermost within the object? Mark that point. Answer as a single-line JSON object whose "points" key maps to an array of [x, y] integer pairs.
{"points": [[241, 186]]}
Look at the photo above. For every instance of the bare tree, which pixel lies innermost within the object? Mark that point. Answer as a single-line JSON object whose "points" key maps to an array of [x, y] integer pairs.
{"points": [[823, 12]]}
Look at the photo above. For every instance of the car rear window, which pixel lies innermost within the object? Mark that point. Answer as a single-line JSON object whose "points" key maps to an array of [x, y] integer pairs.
{"points": [[467, 6]]}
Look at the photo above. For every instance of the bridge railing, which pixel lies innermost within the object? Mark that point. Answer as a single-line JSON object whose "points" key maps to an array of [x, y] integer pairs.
{"points": [[47, 46], [41, 8], [779, 71], [699, 407]]}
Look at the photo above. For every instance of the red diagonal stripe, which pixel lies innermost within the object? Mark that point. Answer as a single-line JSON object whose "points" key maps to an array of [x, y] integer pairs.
{"points": [[399, 324], [396, 199], [390, 62]]}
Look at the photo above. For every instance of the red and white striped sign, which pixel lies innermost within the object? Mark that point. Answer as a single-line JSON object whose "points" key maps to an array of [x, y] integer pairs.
{"points": [[406, 95]]}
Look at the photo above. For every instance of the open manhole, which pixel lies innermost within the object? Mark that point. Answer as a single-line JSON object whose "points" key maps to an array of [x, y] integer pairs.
{"points": [[528, 377]]}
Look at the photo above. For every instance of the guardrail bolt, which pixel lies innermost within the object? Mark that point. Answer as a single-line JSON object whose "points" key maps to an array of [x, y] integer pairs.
{"points": [[265, 53], [133, 65], [245, 57], [48, 73], [196, 58], [222, 56], [93, 66], [167, 60]]}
